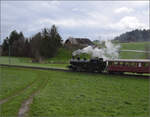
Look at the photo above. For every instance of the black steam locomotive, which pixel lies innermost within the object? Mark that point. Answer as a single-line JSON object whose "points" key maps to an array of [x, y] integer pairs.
{"points": [[92, 65]]}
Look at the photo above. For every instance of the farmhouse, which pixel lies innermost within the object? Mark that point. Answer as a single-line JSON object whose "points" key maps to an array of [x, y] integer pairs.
{"points": [[78, 42]]}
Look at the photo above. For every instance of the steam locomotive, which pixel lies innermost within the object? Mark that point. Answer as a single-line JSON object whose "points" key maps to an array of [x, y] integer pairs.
{"points": [[111, 66]]}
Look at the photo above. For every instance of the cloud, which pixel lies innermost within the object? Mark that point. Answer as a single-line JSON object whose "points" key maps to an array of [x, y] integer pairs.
{"points": [[123, 10], [88, 20], [129, 22], [75, 9], [74, 18]]}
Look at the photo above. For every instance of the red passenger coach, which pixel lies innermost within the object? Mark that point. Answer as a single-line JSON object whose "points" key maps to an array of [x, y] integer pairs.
{"points": [[128, 65]]}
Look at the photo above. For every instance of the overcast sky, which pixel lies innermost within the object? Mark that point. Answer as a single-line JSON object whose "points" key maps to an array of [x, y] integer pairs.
{"points": [[92, 19]]}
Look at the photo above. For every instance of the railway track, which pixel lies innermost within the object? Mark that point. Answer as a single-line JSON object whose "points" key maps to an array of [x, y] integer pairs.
{"points": [[33, 67], [67, 70]]}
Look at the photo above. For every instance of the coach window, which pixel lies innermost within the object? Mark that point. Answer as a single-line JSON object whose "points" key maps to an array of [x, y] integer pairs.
{"points": [[127, 64], [123, 63], [110, 63], [139, 65], [146, 64], [143, 64], [136, 64], [130, 64], [116, 63]]}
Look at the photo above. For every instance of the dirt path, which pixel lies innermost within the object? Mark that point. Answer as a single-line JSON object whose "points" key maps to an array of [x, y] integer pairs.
{"points": [[18, 92], [25, 105]]}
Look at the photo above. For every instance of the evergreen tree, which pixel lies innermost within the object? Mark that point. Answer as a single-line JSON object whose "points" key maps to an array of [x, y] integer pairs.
{"points": [[42, 45], [5, 47]]}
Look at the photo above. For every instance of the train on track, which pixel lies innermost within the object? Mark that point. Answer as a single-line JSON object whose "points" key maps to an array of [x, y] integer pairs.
{"points": [[111, 66]]}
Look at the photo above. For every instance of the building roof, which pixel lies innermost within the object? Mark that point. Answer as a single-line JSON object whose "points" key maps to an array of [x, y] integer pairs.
{"points": [[130, 60], [80, 41]]}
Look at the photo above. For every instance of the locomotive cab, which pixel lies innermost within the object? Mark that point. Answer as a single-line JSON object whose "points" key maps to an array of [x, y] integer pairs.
{"points": [[97, 65]]}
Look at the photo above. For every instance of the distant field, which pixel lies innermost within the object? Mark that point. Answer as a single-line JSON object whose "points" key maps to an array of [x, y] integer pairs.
{"points": [[132, 55], [27, 62], [75, 94], [134, 46]]}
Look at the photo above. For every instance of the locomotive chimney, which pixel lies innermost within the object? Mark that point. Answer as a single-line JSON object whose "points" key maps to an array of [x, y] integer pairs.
{"points": [[101, 59]]}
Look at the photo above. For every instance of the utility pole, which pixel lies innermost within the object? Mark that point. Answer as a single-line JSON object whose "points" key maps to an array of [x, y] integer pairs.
{"points": [[9, 55], [9, 51]]}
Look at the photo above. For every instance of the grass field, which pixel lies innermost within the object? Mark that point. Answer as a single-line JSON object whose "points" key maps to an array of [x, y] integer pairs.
{"points": [[135, 45], [132, 55], [27, 62], [12, 81], [16, 86], [75, 94]]}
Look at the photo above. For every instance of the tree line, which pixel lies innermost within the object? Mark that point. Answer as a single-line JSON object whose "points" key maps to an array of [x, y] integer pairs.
{"points": [[44, 44], [134, 36]]}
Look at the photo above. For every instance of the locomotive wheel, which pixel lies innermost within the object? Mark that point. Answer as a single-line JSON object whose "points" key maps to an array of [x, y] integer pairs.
{"points": [[120, 73], [110, 72], [74, 69], [90, 70]]}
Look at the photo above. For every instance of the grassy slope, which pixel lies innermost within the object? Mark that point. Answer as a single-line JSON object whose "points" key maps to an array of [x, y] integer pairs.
{"points": [[62, 56], [80, 94]]}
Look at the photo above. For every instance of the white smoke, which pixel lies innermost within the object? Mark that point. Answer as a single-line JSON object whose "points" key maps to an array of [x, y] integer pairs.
{"points": [[110, 51]]}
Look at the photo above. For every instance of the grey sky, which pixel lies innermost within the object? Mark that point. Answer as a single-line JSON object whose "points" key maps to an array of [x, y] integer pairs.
{"points": [[93, 19]]}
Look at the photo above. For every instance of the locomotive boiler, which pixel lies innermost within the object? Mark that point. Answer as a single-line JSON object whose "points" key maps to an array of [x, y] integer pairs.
{"points": [[92, 65]]}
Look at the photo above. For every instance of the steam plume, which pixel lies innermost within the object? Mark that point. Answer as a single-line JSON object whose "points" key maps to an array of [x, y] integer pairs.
{"points": [[110, 51]]}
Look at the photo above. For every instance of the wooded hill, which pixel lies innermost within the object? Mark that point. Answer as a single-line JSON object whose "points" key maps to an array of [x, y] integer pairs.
{"points": [[134, 36]]}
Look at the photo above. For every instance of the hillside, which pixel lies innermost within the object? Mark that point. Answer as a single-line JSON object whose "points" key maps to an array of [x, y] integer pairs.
{"points": [[134, 36]]}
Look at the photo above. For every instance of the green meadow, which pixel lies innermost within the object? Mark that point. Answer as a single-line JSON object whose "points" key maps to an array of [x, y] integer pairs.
{"points": [[73, 94], [134, 46]]}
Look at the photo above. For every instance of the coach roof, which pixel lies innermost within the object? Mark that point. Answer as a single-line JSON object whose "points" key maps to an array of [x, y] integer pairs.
{"points": [[129, 60]]}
